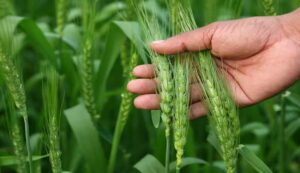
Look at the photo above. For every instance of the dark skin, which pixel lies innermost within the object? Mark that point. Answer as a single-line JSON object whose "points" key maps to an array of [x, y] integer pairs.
{"points": [[260, 57]]}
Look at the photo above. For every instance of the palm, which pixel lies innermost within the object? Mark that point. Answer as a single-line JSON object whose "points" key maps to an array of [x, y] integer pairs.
{"points": [[258, 67]]}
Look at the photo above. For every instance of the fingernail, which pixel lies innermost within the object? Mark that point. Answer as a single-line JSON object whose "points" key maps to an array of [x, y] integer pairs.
{"points": [[135, 69], [157, 42], [129, 85]]}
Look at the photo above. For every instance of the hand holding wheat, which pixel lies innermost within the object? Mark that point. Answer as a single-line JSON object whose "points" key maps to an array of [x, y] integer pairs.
{"points": [[259, 56]]}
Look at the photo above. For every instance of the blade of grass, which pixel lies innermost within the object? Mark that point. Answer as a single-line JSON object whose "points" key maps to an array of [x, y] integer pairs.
{"points": [[13, 160], [149, 164], [116, 37], [35, 36], [87, 138], [253, 160], [186, 162], [15, 87]]}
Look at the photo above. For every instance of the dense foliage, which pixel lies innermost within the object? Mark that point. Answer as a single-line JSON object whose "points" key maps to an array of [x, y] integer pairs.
{"points": [[63, 74]]}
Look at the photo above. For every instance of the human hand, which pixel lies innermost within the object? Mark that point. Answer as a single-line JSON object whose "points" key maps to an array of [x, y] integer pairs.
{"points": [[260, 57]]}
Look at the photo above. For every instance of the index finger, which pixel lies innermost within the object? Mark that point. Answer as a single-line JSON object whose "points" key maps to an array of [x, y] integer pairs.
{"points": [[196, 40]]}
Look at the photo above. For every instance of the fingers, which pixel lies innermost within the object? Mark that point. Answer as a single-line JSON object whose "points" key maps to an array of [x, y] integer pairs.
{"points": [[197, 110], [195, 93], [149, 86], [147, 101], [144, 71], [151, 101], [199, 39], [142, 86]]}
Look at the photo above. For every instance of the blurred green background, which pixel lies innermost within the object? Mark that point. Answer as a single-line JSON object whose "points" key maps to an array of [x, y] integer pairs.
{"points": [[261, 124]]}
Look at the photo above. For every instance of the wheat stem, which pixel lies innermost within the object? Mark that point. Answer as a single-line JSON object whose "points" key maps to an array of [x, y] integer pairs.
{"points": [[167, 155], [281, 136]]}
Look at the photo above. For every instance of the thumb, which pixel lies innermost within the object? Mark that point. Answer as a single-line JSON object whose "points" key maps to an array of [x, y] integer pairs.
{"points": [[196, 40]]}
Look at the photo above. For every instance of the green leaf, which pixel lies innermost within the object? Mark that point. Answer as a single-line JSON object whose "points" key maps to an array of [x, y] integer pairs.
{"points": [[292, 128], [154, 8], [220, 165], [115, 39], [295, 154], [186, 162], [295, 99], [110, 10], [35, 36], [253, 160], [35, 141], [6, 8], [213, 140], [72, 37], [13, 160], [149, 164], [87, 137], [257, 128], [74, 13], [133, 33], [155, 117]]}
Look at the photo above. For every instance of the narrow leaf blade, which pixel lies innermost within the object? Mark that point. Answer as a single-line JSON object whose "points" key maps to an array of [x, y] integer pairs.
{"points": [[13, 160], [253, 160], [87, 137], [149, 164], [155, 116], [186, 162]]}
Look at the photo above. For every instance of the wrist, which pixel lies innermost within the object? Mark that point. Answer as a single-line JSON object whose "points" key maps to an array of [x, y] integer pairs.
{"points": [[291, 24]]}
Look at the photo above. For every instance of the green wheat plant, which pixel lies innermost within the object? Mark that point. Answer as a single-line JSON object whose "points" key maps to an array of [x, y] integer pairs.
{"points": [[61, 11], [182, 75], [269, 7], [6, 8], [52, 119], [82, 118], [221, 107], [181, 104], [125, 107], [234, 7], [153, 31], [223, 113], [14, 85], [87, 72], [16, 135], [222, 110]]}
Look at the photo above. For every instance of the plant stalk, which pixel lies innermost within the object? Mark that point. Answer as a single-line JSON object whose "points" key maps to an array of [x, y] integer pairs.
{"points": [[27, 139], [281, 135], [167, 156]]}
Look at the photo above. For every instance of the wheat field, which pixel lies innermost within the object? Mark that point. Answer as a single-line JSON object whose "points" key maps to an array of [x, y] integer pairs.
{"points": [[65, 108]]}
